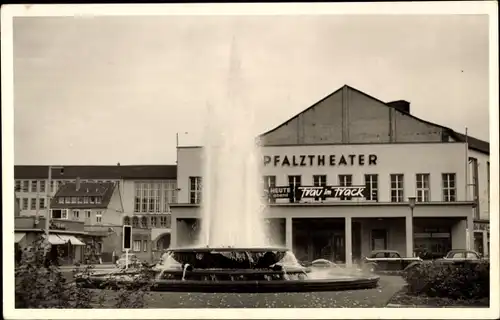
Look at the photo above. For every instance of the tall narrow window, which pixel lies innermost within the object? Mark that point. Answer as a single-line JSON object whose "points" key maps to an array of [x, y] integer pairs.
{"points": [[33, 204], [169, 194], [423, 187], [34, 186], [195, 188], [449, 187], [18, 186], [293, 182], [98, 217], [371, 184], [397, 187], [25, 186], [42, 186], [41, 203], [345, 180], [319, 181], [145, 197], [25, 204], [137, 198], [269, 182]]}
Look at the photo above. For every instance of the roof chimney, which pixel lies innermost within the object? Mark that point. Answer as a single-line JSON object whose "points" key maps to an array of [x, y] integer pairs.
{"points": [[400, 105], [77, 183]]}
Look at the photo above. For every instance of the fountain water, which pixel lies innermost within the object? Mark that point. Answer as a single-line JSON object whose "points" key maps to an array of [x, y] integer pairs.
{"points": [[233, 253]]}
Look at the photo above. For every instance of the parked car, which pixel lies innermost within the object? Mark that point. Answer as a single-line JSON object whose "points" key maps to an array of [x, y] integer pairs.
{"points": [[461, 255], [386, 260], [454, 256], [133, 261]]}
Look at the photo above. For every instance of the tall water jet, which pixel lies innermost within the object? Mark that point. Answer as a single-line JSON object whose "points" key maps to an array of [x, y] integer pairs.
{"points": [[232, 203]]}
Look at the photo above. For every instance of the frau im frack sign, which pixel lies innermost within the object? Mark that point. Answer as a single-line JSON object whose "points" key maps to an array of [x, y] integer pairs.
{"points": [[320, 160]]}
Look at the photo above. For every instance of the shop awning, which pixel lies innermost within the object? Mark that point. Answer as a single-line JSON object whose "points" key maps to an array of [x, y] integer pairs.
{"points": [[55, 240], [18, 236], [72, 239]]}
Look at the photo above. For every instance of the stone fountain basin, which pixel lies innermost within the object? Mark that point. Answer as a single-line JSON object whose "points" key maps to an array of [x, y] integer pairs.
{"points": [[101, 281], [228, 258]]}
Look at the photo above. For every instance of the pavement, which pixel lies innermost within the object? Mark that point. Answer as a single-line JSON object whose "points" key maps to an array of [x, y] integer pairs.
{"points": [[369, 298]]}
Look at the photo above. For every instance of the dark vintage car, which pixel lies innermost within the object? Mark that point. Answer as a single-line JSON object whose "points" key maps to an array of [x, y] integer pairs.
{"points": [[386, 260]]}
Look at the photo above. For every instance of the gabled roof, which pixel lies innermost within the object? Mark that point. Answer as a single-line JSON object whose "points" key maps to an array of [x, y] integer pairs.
{"points": [[98, 172], [87, 189], [474, 143]]}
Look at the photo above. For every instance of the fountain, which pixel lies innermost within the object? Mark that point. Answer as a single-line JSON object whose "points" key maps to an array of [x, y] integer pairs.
{"points": [[234, 253]]}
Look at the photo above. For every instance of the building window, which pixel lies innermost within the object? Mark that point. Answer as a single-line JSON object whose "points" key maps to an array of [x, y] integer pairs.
{"points": [[137, 245], [269, 182], [97, 200], [91, 200], [423, 187], [169, 194], [319, 181], [86, 200], [80, 200], [87, 214], [371, 185], [145, 245], [33, 204], [25, 204], [147, 197], [163, 222], [126, 221], [98, 216], [52, 186], [34, 186], [195, 188], [294, 182], [41, 203], [345, 180], [135, 222], [59, 214], [60, 200], [18, 186], [397, 187], [153, 222], [76, 214], [144, 222], [25, 186], [449, 187], [42, 186]]}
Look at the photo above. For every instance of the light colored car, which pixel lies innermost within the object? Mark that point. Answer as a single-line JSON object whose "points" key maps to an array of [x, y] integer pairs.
{"points": [[133, 261]]}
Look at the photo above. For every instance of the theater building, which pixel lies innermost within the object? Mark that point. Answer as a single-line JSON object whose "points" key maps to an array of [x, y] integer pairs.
{"points": [[369, 160]]}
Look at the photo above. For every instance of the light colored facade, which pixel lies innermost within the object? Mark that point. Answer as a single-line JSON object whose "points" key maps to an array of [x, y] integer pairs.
{"points": [[414, 158]]}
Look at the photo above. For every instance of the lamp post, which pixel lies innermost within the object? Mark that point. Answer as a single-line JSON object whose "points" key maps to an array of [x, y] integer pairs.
{"points": [[411, 203], [47, 215]]}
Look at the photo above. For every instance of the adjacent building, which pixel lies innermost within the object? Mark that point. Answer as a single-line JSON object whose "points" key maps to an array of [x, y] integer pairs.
{"points": [[136, 195]]}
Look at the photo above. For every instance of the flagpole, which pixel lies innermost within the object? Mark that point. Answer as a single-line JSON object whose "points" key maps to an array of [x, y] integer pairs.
{"points": [[466, 165]]}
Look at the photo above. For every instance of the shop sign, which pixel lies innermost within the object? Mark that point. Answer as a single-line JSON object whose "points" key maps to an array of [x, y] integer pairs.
{"points": [[320, 160], [301, 192]]}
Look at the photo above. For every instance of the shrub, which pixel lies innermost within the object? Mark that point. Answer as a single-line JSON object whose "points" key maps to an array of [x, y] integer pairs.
{"points": [[40, 283], [457, 280]]}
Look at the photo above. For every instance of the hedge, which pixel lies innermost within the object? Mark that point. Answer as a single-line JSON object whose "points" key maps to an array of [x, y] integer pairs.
{"points": [[455, 280], [40, 283]]}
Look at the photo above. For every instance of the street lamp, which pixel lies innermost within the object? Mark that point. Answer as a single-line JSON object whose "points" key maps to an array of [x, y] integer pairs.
{"points": [[47, 216], [411, 203]]}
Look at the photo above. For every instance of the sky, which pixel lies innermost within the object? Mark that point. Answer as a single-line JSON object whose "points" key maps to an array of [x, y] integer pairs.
{"points": [[102, 90]]}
